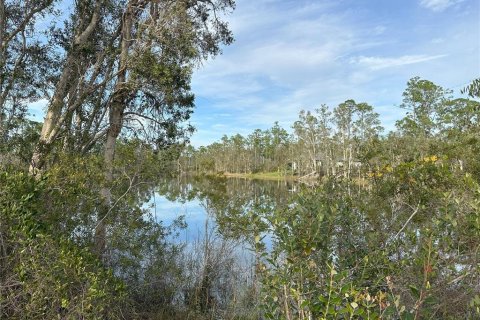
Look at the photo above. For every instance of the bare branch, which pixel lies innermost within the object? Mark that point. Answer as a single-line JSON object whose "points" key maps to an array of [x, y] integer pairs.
{"points": [[410, 218]]}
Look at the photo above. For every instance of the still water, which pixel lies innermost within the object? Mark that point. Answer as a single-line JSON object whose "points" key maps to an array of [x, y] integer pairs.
{"points": [[226, 203]]}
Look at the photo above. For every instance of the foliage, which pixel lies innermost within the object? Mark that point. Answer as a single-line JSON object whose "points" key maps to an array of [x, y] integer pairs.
{"points": [[473, 89], [26, 62], [346, 140], [407, 248], [45, 275], [52, 250]]}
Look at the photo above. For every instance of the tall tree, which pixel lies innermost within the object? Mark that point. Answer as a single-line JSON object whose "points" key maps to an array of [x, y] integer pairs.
{"points": [[255, 142], [325, 130], [25, 61], [366, 131], [307, 131], [160, 43], [280, 144], [343, 118], [424, 101], [78, 47]]}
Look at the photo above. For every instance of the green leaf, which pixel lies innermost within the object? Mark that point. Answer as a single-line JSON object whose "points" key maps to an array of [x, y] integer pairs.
{"points": [[415, 291]]}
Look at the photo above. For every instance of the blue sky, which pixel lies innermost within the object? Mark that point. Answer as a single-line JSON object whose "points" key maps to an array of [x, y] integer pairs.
{"points": [[297, 54]]}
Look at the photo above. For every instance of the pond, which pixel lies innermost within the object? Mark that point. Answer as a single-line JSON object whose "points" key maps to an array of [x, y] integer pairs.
{"points": [[216, 202]]}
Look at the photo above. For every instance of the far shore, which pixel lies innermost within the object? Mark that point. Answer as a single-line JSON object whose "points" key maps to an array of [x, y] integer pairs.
{"points": [[274, 176]]}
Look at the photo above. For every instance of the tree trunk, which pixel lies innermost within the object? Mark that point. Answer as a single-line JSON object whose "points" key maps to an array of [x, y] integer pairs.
{"points": [[51, 127], [54, 118], [3, 24], [116, 109]]}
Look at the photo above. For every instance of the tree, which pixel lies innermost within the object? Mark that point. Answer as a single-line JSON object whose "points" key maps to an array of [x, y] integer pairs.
{"points": [[366, 130], [473, 89], [307, 131], [168, 41], [460, 139], [424, 100], [255, 142], [280, 142], [26, 63], [325, 130], [80, 68], [126, 68], [343, 115]]}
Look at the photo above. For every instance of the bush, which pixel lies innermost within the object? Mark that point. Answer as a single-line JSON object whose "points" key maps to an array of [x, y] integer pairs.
{"points": [[44, 275]]}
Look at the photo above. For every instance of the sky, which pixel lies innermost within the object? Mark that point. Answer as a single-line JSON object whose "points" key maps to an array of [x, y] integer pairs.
{"points": [[291, 55]]}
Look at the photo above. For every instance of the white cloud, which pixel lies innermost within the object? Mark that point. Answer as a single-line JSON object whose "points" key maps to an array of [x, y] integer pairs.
{"points": [[377, 63], [290, 50], [300, 56], [438, 5]]}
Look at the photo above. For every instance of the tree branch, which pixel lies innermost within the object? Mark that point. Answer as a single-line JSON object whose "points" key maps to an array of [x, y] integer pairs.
{"points": [[410, 218]]}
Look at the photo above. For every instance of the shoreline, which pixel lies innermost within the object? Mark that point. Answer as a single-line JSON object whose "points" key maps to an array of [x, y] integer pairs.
{"points": [[273, 176]]}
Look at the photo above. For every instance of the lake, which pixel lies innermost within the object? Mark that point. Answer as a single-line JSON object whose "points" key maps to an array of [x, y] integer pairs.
{"points": [[219, 202]]}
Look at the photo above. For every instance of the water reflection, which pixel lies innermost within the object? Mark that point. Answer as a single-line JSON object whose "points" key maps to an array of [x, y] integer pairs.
{"points": [[232, 202], [372, 235]]}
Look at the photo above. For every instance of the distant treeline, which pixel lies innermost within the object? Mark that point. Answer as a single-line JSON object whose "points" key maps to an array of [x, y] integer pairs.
{"points": [[349, 138]]}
